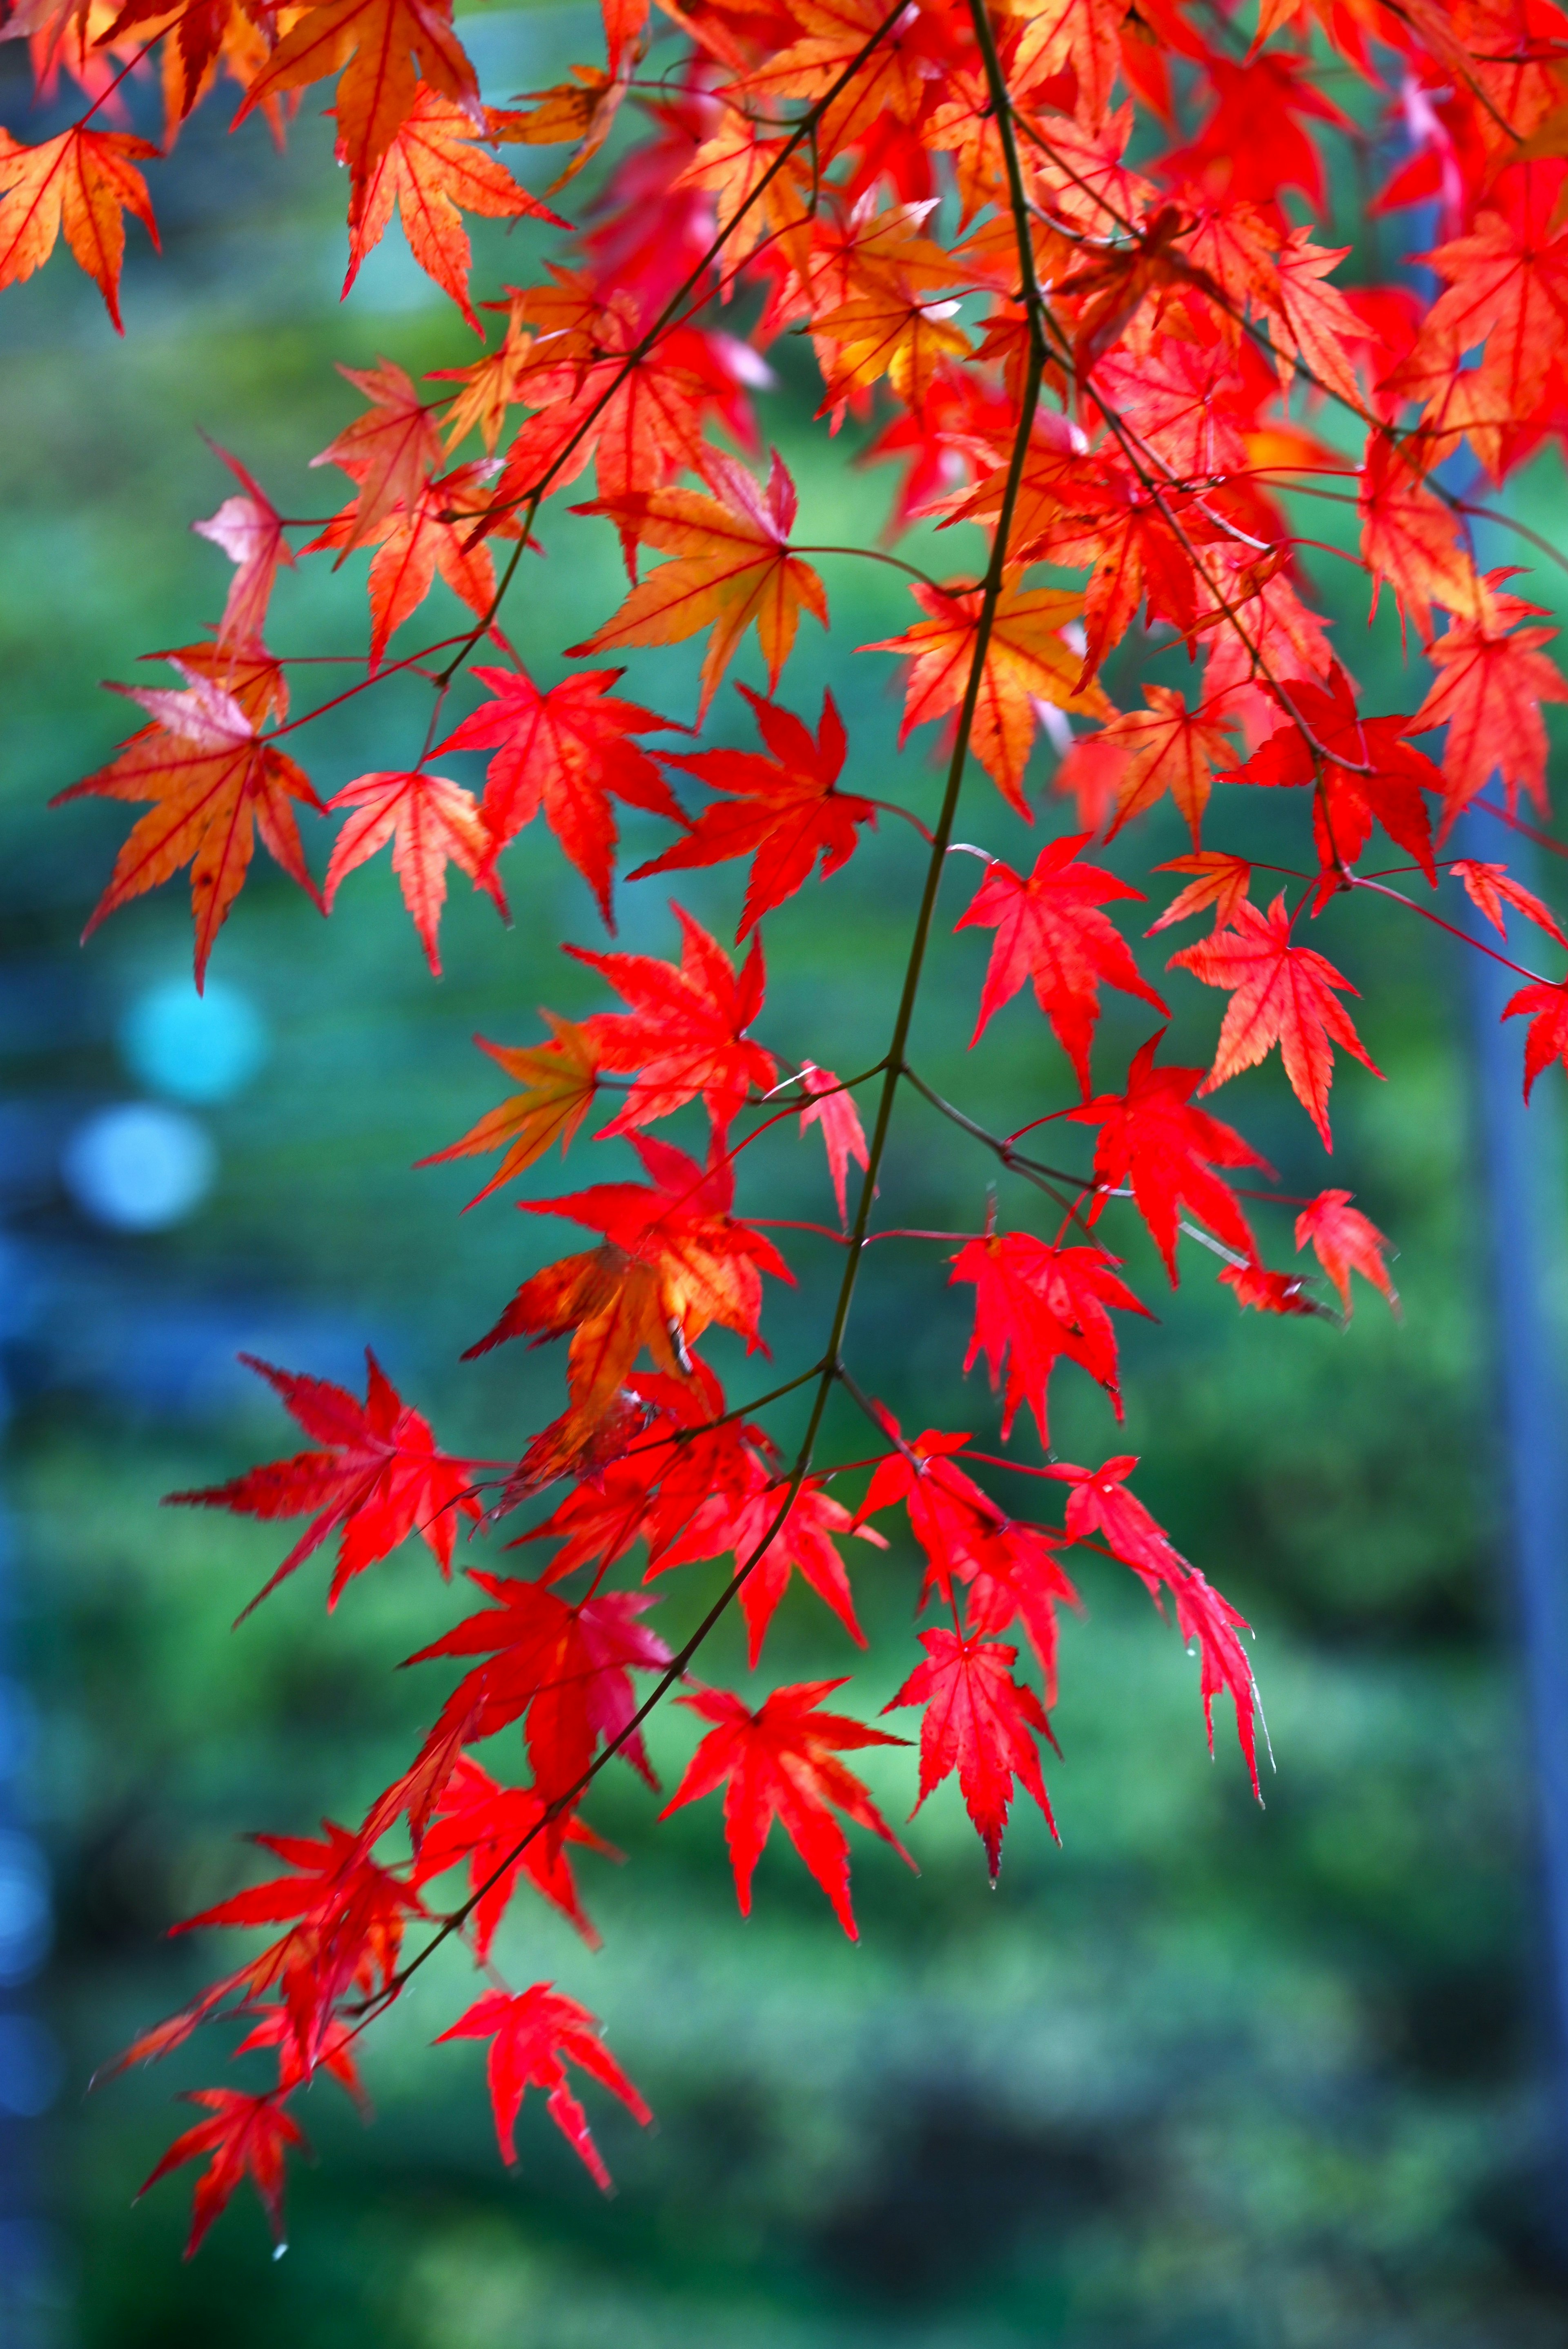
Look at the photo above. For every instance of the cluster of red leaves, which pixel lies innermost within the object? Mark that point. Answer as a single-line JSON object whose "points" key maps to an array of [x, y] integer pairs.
{"points": [[1104, 368]]}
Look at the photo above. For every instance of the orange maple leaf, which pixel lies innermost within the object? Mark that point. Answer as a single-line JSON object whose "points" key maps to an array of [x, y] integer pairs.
{"points": [[1411, 540], [390, 453], [1169, 748], [732, 565], [433, 172], [1281, 995], [373, 45], [83, 182], [558, 1081], [214, 781], [1027, 660], [431, 822]]}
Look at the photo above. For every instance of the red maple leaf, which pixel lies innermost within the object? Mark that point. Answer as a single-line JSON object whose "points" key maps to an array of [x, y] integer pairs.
{"points": [[832, 1108], [1493, 678], [977, 1721], [1099, 1502], [247, 2136], [564, 1670], [381, 1478], [1344, 1241], [530, 2035], [431, 822], [1034, 1304], [1280, 994], [782, 810], [1490, 887], [686, 1033], [1364, 770], [674, 1261], [567, 752], [1049, 928], [1546, 1006], [1151, 1137], [781, 1763], [483, 1823], [740, 1521], [250, 530]]}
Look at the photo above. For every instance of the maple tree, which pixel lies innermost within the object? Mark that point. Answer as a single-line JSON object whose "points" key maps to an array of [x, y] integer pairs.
{"points": [[1058, 261]]}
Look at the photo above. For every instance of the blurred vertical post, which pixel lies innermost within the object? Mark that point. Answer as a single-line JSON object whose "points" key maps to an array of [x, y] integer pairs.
{"points": [[29, 2059], [1523, 1164]]}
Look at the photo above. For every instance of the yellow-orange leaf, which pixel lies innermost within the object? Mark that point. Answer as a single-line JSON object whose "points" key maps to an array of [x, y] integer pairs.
{"points": [[1027, 658], [83, 182], [732, 565], [557, 1083]]}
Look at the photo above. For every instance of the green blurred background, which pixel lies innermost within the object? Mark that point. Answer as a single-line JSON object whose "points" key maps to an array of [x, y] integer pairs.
{"points": [[1209, 2076]]}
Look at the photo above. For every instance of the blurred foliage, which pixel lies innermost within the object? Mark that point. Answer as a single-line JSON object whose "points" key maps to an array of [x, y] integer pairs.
{"points": [[1206, 2077]]}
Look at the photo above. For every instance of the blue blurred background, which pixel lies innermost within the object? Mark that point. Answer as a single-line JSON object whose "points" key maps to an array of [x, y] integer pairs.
{"points": [[1207, 2077]]}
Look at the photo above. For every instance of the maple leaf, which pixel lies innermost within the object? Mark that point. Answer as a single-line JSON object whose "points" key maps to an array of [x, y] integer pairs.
{"points": [[565, 751], [499, 1831], [559, 1081], [390, 453], [731, 565], [1343, 1240], [1412, 541], [1084, 34], [780, 1761], [1547, 1040], [564, 1670], [84, 181], [977, 1721], [888, 333], [1166, 748], [1099, 1502], [1027, 658], [1222, 881], [1013, 1576], [1281, 995], [782, 808], [214, 781], [431, 822], [1035, 1305], [380, 1477], [743, 1520], [372, 45], [345, 1917], [247, 2136], [1374, 777], [686, 1033], [833, 1109], [530, 2035], [1508, 287], [1489, 887], [581, 113], [1493, 678], [250, 532], [433, 172], [1049, 928], [413, 541], [833, 34], [1255, 1286], [1152, 1138], [674, 1261]]}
